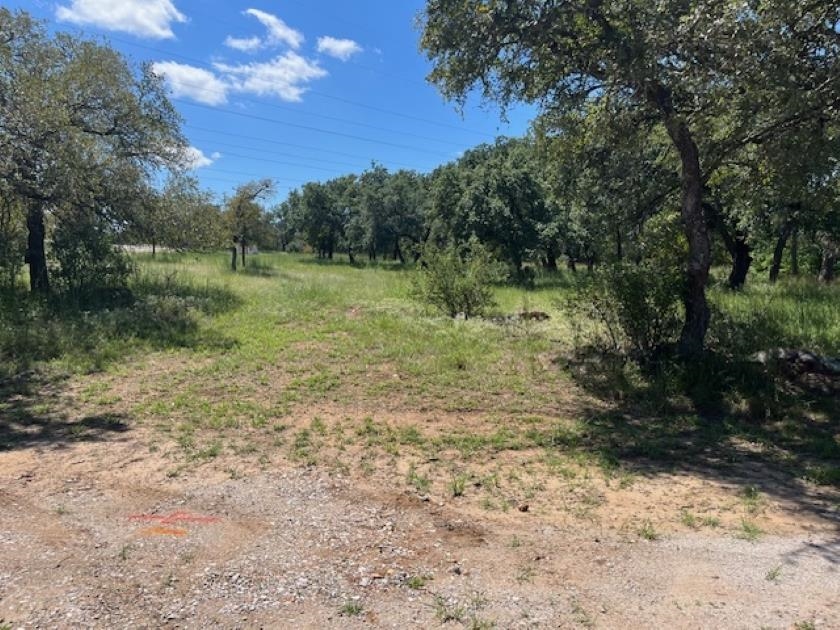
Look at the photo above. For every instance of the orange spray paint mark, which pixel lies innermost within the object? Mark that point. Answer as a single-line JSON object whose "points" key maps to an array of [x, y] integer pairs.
{"points": [[159, 530]]}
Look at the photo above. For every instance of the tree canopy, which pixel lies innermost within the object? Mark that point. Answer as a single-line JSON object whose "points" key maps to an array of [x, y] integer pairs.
{"points": [[81, 133], [717, 75]]}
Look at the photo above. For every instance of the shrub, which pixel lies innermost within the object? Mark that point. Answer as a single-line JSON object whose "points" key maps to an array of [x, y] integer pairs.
{"points": [[87, 262], [12, 243], [457, 280], [637, 307]]}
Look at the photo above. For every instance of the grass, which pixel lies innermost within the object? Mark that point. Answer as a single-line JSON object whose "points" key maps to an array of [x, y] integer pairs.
{"points": [[447, 611], [351, 608], [773, 574], [417, 582], [749, 531], [458, 485], [217, 361], [647, 531]]}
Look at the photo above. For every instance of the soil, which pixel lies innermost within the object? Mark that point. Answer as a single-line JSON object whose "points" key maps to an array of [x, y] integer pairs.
{"points": [[96, 535]]}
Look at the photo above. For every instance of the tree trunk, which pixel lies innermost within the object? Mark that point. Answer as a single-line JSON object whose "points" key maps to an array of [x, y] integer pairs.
{"points": [[242, 247], [36, 256], [351, 255], [154, 248], [779, 250], [697, 313], [398, 255], [233, 256], [829, 261], [794, 252], [571, 264], [741, 261], [619, 245], [550, 259]]}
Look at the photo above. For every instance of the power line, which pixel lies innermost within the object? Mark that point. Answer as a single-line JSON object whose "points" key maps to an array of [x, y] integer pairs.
{"points": [[199, 88], [339, 99], [289, 144], [315, 168], [251, 175], [308, 128], [275, 153]]}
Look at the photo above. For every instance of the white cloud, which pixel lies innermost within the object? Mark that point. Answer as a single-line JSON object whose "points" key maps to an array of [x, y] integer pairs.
{"points": [[193, 83], [278, 31], [143, 18], [284, 76], [215, 155], [245, 44], [339, 48], [193, 158]]}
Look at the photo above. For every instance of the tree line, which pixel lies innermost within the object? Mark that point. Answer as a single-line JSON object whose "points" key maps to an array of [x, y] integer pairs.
{"points": [[677, 134]]}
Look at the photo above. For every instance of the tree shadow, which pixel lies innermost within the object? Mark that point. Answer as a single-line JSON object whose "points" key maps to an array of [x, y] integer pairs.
{"points": [[359, 263], [91, 331], [737, 422], [32, 416]]}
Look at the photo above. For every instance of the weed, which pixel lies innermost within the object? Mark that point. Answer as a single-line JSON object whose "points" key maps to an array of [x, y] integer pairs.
{"points": [[351, 608], [773, 574], [647, 531], [688, 519], [458, 485], [417, 582], [805, 625], [515, 542], [752, 499], [302, 447], [421, 483], [749, 530], [210, 452], [318, 425], [447, 611], [526, 574], [710, 521], [581, 615]]}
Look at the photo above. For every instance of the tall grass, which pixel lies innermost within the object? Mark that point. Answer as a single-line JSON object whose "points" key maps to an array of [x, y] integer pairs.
{"points": [[793, 314]]}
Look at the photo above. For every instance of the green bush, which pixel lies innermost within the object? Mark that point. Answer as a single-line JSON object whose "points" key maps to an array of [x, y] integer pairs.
{"points": [[12, 243], [457, 280], [87, 262], [637, 307]]}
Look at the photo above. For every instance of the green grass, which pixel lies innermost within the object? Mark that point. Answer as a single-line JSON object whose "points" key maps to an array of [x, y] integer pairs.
{"points": [[351, 608], [749, 531], [210, 353], [647, 531]]}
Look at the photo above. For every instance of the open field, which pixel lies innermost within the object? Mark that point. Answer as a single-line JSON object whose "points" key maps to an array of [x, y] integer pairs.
{"points": [[303, 445]]}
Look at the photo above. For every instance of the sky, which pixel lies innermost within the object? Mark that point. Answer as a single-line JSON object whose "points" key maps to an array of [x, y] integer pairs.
{"points": [[291, 90]]}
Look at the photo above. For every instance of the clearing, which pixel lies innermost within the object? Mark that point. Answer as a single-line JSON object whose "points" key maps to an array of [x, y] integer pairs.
{"points": [[304, 446]]}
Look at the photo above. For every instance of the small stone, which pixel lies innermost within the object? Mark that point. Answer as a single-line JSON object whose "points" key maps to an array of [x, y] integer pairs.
{"points": [[523, 507]]}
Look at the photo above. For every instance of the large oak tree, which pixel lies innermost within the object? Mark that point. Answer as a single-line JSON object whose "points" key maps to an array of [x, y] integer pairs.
{"points": [[716, 74], [80, 128]]}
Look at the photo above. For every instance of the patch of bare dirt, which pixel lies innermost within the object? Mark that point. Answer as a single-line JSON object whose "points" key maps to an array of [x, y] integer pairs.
{"points": [[389, 528], [97, 535]]}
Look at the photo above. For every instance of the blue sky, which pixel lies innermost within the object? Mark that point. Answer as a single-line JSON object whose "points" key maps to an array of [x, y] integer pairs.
{"points": [[294, 90]]}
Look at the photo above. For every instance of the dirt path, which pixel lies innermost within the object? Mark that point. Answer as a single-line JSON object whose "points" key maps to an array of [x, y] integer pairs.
{"points": [[96, 535]]}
